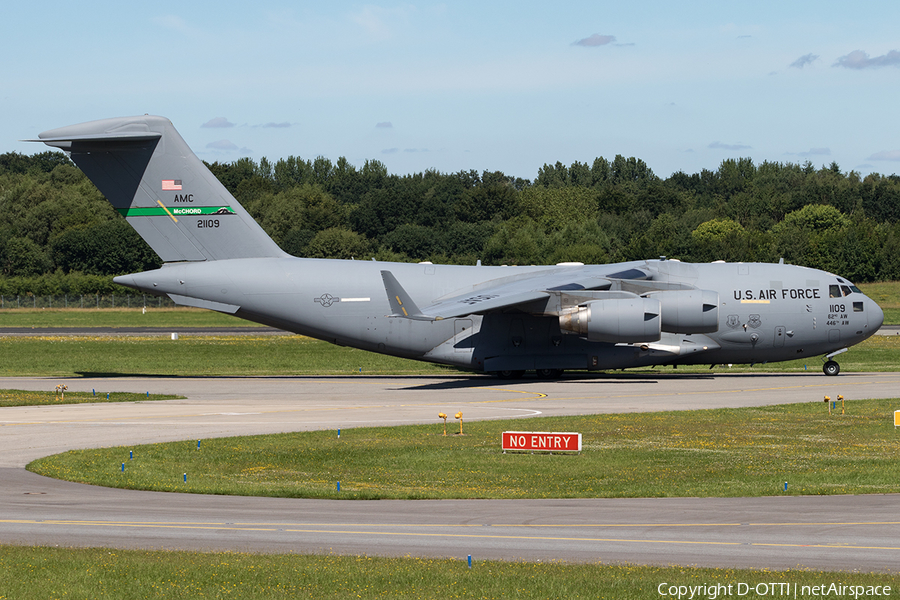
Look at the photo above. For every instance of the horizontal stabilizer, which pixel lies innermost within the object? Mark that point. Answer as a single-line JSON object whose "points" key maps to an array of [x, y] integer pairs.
{"points": [[66, 142], [207, 304]]}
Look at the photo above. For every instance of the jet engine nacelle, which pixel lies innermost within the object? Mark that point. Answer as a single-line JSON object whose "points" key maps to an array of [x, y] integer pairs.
{"points": [[619, 320], [688, 311]]}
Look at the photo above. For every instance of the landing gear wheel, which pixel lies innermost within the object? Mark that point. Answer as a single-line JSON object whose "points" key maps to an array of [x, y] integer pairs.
{"points": [[831, 368], [549, 373], [510, 374]]}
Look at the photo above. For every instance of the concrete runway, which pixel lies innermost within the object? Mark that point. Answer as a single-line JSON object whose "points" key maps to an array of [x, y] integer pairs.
{"points": [[835, 532]]}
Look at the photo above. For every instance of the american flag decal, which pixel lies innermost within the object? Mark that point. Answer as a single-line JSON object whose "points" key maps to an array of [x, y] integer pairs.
{"points": [[171, 185]]}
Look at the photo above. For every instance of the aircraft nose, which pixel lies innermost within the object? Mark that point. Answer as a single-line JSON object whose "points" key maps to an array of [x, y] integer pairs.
{"points": [[876, 315]]}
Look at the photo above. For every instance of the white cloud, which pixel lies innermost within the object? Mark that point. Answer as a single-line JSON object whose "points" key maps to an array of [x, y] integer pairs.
{"points": [[812, 152], [805, 60], [595, 40], [893, 155], [721, 146], [861, 60], [218, 122], [222, 145]]}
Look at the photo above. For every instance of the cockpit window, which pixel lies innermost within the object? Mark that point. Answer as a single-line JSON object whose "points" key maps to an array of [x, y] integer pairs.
{"points": [[838, 291]]}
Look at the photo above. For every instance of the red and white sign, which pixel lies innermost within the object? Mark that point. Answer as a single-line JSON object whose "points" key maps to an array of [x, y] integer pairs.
{"points": [[541, 441]]}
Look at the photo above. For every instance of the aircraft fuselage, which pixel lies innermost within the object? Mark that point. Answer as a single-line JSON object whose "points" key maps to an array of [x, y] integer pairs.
{"points": [[492, 319], [766, 312]]}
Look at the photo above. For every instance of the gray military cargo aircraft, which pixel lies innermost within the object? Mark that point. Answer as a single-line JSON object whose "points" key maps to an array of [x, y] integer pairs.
{"points": [[502, 320]]}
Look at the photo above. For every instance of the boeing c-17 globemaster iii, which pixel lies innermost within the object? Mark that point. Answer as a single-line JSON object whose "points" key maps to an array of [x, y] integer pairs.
{"points": [[503, 320]]}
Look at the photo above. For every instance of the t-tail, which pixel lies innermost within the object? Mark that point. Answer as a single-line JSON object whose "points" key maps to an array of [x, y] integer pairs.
{"points": [[151, 177]]}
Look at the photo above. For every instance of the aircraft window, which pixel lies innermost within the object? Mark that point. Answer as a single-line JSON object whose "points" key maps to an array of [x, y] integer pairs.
{"points": [[846, 290], [857, 307], [834, 291], [853, 288]]}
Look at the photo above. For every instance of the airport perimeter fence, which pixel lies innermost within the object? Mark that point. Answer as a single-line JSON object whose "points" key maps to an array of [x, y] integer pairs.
{"points": [[86, 301]]}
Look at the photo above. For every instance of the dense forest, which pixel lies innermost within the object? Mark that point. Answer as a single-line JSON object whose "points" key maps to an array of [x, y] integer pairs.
{"points": [[58, 235]]}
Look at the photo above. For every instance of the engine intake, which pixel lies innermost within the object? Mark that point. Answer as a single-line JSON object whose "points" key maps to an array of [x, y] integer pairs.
{"points": [[619, 320]]}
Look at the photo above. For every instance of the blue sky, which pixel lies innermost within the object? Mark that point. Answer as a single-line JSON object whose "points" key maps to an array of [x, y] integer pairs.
{"points": [[485, 85]]}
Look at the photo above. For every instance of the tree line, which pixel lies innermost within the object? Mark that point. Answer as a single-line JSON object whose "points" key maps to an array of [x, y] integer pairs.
{"points": [[59, 235]]}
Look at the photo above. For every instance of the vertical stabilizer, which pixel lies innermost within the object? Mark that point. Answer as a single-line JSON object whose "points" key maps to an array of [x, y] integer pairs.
{"points": [[151, 177]]}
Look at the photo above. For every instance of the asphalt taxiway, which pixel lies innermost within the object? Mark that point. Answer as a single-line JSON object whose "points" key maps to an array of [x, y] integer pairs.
{"points": [[823, 532]]}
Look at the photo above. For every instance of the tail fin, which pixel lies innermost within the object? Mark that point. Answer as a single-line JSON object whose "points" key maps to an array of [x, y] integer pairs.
{"points": [[151, 177]]}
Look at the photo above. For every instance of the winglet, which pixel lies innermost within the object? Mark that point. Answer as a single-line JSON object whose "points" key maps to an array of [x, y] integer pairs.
{"points": [[401, 304]]}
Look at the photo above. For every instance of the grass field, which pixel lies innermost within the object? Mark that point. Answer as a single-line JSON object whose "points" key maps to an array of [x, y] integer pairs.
{"points": [[52, 398], [118, 317], [887, 295], [27, 572], [75, 356], [854, 453], [721, 453]]}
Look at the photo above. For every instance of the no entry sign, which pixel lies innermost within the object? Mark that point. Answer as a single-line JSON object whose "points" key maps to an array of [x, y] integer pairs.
{"points": [[541, 441]]}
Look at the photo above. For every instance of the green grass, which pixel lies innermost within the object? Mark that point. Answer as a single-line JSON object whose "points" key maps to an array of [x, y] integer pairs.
{"points": [[48, 573], [887, 295], [720, 453], [118, 317], [28, 398], [73, 356]]}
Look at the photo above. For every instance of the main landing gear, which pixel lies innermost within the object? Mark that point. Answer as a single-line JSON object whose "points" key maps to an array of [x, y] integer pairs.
{"points": [[510, 374], [549, 373]]}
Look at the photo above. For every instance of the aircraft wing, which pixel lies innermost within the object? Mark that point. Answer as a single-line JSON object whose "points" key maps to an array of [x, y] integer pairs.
{"points": [[503, 292]]}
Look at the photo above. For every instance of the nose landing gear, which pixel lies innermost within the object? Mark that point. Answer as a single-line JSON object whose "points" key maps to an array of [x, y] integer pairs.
{"points": [[831, 368]]}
